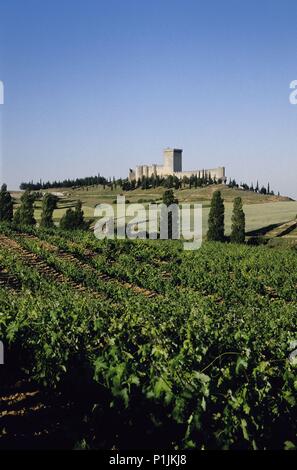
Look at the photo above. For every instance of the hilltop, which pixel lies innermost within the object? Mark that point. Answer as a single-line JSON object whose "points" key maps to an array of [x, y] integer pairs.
{"points": [[96, 194], [228, 194]]}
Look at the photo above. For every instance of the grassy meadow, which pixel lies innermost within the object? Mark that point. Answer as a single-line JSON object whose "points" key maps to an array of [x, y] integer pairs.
{"points": [[263, 212]]}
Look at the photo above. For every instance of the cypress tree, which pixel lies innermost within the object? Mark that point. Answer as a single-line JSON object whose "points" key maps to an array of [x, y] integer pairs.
{"points": [[238, 222], [216, 218], [67, 222], [79, 215], [49, 204], [168, 200], [25, 213], [6, 205], [73, 219]]}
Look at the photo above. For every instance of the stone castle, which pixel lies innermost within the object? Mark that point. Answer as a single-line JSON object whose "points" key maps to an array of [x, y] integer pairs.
{"points": [[173, 166]]}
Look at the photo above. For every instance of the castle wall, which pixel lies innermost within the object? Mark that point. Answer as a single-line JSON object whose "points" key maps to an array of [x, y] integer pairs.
{"points": [[139, 172], [173, 166], [145, 171], [132, 175], [218, 173]]}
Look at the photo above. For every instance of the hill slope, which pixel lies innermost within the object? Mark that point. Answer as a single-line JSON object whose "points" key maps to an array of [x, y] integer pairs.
{"points": [[262, 211], [96, 194]]}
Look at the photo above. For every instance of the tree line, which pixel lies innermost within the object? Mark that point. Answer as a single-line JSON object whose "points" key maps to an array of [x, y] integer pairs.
{"points": [[74, 218], [216, 218], [67, 183], [252, 188], [171, 181], [24, 215], [154, 181]]}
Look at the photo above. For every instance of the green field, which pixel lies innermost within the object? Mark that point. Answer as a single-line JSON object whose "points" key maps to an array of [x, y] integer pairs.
{"points": [[262, 212], [174, 349]]}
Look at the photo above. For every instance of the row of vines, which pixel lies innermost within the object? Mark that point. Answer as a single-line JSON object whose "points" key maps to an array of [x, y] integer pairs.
{"points": [[199, 341]]}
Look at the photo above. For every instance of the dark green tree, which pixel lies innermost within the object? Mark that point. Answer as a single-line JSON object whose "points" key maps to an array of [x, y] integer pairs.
{"points": [[6, 205], [169, 198], [176, 182], [173, 224], [49, 204], [186, 181], [25, 213], [216, 218], [79, 215], [73, 219], [169, 182], [238, 222], [67, 221]]}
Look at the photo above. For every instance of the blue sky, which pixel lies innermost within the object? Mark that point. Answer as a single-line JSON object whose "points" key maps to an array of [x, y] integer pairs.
{"points": [[100, 86]]}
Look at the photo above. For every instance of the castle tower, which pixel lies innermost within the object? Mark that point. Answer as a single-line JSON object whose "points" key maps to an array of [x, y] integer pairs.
{"points": [[172, 160], [139, 172]]}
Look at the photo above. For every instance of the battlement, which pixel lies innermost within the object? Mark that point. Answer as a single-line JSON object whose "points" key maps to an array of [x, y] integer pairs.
{"points": [[173, 166]]}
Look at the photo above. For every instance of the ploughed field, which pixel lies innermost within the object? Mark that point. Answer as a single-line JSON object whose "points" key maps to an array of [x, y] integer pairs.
{"points": [[124, 344]]}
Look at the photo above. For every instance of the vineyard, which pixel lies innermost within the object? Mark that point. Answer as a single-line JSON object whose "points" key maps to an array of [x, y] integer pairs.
{"points": [[162, 347]]}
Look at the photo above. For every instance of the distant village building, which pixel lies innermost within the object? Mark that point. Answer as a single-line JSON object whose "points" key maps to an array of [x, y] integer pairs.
{"points": [[173, 166]]}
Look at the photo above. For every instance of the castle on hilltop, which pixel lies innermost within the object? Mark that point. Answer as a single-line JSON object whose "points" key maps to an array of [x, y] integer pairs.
{"points": [[173, 166]]}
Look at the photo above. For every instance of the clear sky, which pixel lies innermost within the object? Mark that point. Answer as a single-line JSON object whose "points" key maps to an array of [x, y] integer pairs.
{"points": [[102, 85]]}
